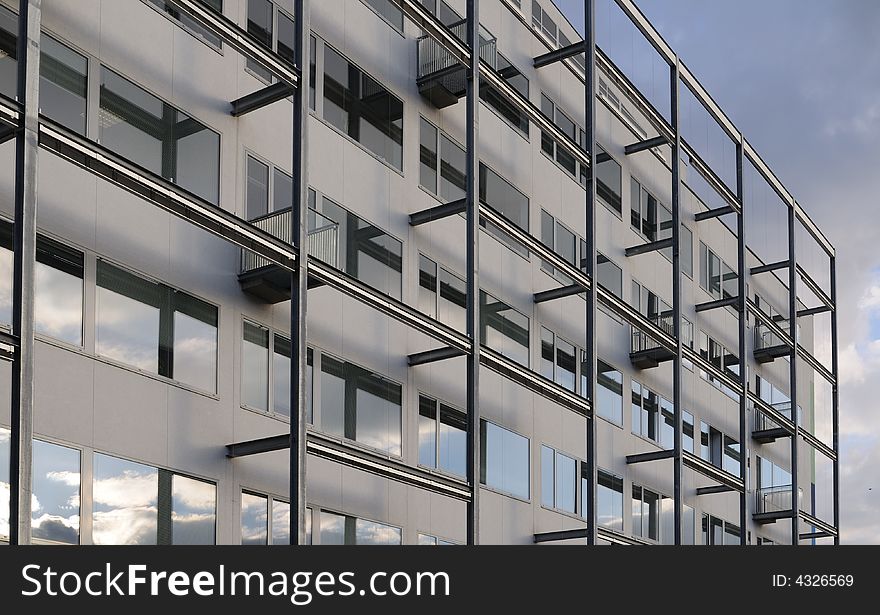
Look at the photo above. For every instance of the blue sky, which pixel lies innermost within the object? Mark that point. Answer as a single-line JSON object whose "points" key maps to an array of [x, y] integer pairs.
{"points": [[801, 79]]}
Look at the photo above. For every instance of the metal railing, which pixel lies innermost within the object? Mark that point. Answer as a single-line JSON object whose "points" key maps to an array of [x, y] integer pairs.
{"points": [[322, 239], [763, 420], [643, 341], [766, 338], [433, 57], [773, 499]]}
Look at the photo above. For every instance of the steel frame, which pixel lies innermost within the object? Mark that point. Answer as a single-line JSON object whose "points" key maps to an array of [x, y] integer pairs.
{"points": [[22, 121]]}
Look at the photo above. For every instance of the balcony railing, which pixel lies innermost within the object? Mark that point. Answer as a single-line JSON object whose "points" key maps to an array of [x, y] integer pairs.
{"points": [[441, 77], [764, 422], [642, 341], [322, 239], [766, 338], [773, 499]]}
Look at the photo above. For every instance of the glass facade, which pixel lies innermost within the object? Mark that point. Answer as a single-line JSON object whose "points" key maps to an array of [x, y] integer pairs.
{"points": [[505, 460]]}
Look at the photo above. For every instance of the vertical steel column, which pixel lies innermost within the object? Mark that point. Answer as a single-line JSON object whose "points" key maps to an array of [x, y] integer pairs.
{"points": [[792, 331], [24, 249], [676, 295], [473, 287], [591, 334], [299, 278], [834, 392], [743, 364]]}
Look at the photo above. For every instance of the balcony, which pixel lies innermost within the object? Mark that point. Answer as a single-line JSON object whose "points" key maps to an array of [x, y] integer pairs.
{"points": [[645, 351], [267, 281], [441, 78], [773, 503], [766, 429], [768, 345]]}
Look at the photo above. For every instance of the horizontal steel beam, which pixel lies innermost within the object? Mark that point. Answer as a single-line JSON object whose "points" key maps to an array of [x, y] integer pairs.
{"points": [[814, 287], [705, 468], [258, 446], [634, 318], [814, 535], [557, 55], [770, 267], [437, 213], [260, 98], [814, 311], [714, 213], [817, 444], [653, 246], [239, 39], [650, 456], [641, 146], [774, 414], [558, 293], [817, 366], [718, 303], [713, 490], [581, 532], [162, 193], [432, 356], [711, 177], [818, 523], [533, 381]]}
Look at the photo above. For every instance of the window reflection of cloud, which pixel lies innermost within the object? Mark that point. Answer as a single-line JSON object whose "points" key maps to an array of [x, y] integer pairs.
{"points": [[133, 525], [58, 304], [127, 330], [369, 533]]}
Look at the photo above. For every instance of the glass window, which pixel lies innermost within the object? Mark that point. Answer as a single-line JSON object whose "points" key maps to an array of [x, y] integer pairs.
{"points": [[667, 424], [63, 78], [565, 364], [56, 496], [362, 108], [731, 456], [286, 37], [432, 541], [427, 286], [190, 23], [193, 511], [155, 135], [645, 513], [257, 188], [452, 304], [8, 52], [442, 436], [608, 180], [609, 393], [360, 405], [428, 155], [281, 376], [499, 102], [366, 252], [609, 501], [389, 11], [255, 367], [339, 529], [505, 460], [686, 240], [548, 342], [453, 170], [427, 431], [4, 479], [687, 431], [260, 26], [125, 502], [504, 329], [609, 275], [254, 519], [501, 196], [148, 325], [281, 523], [558, 480], [645, 406]]}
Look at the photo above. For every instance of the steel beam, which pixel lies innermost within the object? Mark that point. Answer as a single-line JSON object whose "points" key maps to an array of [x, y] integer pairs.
{"points": [[651, 456], [770, 267], [258, 446], [792, 332], [558, 293], [299, 277], [261, 98], [239, 39], [711, 177], [814, 287], [718, 303], [577, 533], [641, 146], [709, 471], [742, 330], [557, 55], [818, 523], [24, 262], [653, 246], [432, 356], [835, 435], [439, 212], [472, 237], [814, 311], [713, 490], [815, 535], [713, 213]]}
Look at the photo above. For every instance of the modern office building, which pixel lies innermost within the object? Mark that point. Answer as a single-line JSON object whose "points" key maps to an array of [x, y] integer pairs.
{"points": [[542, 292]]}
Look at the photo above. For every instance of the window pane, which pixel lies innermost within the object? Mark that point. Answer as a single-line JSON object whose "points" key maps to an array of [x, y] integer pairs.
{"points": [[332, 396], [8, 52], [378, 419], [504, 329], [259, 25], [257, 188], [194, 504], [635, 207], [428, 156], [547, 473], [609, 502], [281, 523], [389, 11], [372, 533], [452, 306], [281, 377], [56, 484], [637, 512], [667, 424], [548, 224], [453, 440], [427, 432], [58, 279], [547, 350], [565, 364], [609, 275], [124, 496], [63, 74], [254, 519], [566, 482], [255, 367], [332, 529], [282, 197], [500, 103], [687, 436], [286, 37], [427, 286], [427, 541], [195, 342], [687, 250], [609, 393], [508, 201], [608, 180], [505, 460], [127, 326], [452, 170]]}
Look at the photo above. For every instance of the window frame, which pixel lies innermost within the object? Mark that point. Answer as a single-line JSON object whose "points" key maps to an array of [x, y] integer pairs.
{"points": [[555, 479], [436, 434]]}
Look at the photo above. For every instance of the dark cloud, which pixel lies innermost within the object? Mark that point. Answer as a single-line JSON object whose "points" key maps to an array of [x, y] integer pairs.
{"points": [[800, 79]]}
